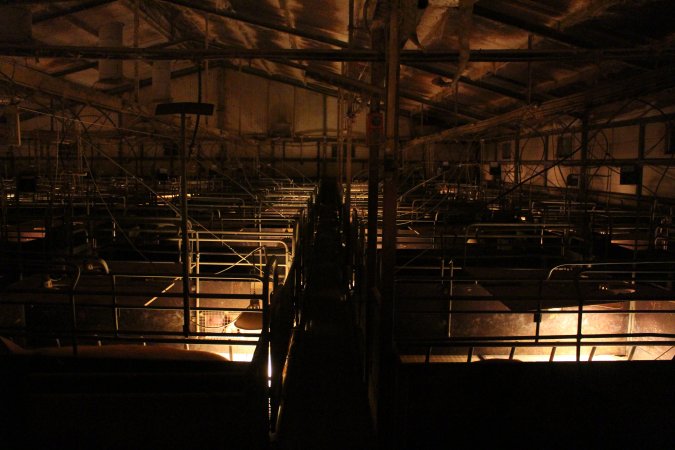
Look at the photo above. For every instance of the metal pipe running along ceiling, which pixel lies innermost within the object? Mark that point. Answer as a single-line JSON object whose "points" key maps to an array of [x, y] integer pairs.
{"points": [[407, 56]]}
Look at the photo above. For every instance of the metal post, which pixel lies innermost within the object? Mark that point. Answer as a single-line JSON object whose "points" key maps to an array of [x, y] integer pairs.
{"points": [[583, 178], [374, 142], [185, 241], [545, 174], [517, 164], [390, 151], [385, 405], [318, 160], [583, 181], [340, 138], [197, 253], [580, 319], [348, 189], [137, 62], [638, 193], [348, 162], [116, 317], [200, 109]]}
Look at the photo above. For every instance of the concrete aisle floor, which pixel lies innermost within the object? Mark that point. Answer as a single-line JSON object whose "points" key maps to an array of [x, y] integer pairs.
{"points": [[325, 403]]}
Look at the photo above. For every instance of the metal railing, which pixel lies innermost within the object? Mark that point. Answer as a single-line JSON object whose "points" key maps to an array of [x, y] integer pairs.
{"points": [[89, 303], [617, 307]]}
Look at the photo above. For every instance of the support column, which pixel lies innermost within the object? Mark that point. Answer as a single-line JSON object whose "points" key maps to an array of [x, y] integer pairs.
{"points": [[348, 184], [583, 177], [516, 159], [389, 210], [374, 135], [200, 109], [137, 62], [638, 192], [349, 117], [374, 138], [340, 138], [318, 160], [185, 241], [547, 138], [583, 181]]}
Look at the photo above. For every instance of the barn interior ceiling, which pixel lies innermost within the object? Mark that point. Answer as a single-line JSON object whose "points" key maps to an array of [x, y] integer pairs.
{"points": [[463, 62]]}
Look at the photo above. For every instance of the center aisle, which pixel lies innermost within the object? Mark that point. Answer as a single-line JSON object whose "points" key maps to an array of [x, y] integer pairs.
{"points": [[325, 402]]}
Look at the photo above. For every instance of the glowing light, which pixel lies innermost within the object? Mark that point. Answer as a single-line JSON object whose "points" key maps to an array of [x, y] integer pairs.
{"points": [[618, 287], [237, 356], [248, 322]]}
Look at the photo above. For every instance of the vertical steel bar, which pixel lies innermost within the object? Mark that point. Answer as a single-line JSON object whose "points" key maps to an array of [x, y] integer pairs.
{"points": [[197, 255], [538, 314], [116, 318], [340, 137], [580, 320], [546, 147], [638, 190], [385, 398], [74, 318], [185, 243], [516, 162], [349, 118], [592, 354], [389, 209], [583, 179], [348, 187], [137, 62]]}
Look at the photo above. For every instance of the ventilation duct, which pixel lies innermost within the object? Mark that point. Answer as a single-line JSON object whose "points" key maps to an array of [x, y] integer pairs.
{"points": [[110, 35], [16, 24], [161, 81]]}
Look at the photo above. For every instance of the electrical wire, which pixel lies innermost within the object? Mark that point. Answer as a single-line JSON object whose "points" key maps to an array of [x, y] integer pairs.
{"points": [[112, 127], [560, 160], [112, 216], [165, 201]]}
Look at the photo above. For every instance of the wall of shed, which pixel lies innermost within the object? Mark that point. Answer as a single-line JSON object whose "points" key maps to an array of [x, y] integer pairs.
{"points": [[268, 126], [609, 148], [282, 129]]}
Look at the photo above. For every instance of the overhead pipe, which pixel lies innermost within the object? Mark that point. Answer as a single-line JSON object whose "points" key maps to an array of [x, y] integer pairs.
{"points": [[651, 54]]}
